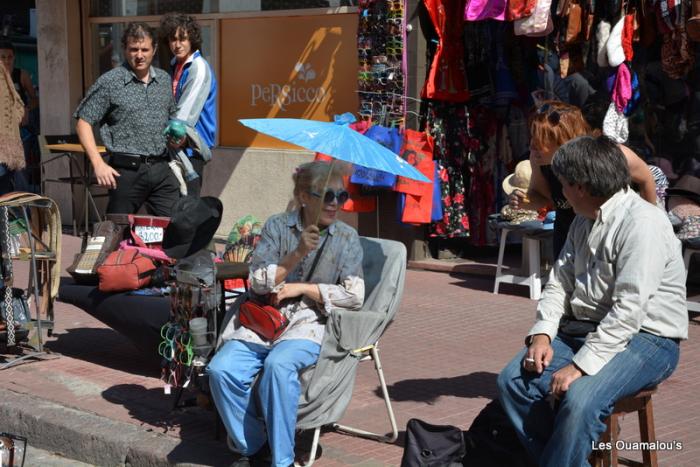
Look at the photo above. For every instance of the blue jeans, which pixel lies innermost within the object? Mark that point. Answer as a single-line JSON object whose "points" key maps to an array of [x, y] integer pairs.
{"points": [[564, 435], [231, 374]]}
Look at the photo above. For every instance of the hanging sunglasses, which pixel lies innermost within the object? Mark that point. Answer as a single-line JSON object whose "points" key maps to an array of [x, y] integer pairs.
{"points": [[554, 117], [395, 5], [341, 195]]}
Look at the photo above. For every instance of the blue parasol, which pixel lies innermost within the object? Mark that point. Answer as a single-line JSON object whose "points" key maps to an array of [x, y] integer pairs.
{"points": [[337, 140]]}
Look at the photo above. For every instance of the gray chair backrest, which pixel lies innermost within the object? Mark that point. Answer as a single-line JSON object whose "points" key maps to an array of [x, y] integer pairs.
{"points": [[383, 262]]}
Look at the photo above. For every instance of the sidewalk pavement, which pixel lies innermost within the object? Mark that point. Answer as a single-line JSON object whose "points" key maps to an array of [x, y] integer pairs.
{"points": [[102, 401]]}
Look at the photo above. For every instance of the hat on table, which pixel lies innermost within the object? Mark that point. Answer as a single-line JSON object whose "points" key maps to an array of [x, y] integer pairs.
{"points": [[193, 223], [519, 179]]}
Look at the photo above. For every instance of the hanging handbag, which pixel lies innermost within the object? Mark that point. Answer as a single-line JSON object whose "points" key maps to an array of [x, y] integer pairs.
{"points": [[574, 24], [266, 320], [538, 24], [478, 10], [518, 9]]}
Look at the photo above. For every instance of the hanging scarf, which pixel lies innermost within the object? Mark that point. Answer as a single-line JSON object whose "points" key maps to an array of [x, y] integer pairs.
{"points": [[11, 113]]}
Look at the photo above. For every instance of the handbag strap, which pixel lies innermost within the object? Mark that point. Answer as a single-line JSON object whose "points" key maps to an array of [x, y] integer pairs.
{"points": [[318, 256]]}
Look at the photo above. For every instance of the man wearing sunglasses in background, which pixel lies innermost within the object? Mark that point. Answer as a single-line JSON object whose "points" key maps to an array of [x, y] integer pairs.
{"points": [[194, 88]]}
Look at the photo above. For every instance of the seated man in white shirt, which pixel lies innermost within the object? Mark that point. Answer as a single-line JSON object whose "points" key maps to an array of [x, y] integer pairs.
{"points": [[610, 318]]}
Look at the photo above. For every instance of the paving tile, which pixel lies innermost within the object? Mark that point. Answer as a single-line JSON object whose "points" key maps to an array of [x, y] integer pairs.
{"points": [[441, 358]]}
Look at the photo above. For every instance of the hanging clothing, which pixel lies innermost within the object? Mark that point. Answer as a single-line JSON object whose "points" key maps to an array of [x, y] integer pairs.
{"points": [[11, 113], [447, 77], [448, 125]]}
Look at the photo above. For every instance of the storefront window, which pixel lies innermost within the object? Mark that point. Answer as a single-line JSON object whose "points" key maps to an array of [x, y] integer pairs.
{"points": [[108, 8]]}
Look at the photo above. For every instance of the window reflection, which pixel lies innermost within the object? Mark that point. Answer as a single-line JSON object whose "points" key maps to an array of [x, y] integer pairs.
{"points": [[159, 7], [108, 53]]}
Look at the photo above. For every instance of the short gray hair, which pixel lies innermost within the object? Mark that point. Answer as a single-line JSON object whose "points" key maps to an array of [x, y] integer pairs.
{"points": [[596, 163], [312, 176]]}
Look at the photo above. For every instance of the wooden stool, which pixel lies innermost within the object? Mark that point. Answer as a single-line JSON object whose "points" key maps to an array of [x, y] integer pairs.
{"points": [[688, 252], [640, 403]]}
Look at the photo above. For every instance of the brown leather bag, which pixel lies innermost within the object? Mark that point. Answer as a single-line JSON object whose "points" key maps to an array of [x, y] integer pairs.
{"points": [[125, 270], [105, 239], [693, 24], [574, 24]]}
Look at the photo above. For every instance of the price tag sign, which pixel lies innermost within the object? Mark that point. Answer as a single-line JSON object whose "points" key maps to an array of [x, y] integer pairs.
{"points": [[149, 234]]}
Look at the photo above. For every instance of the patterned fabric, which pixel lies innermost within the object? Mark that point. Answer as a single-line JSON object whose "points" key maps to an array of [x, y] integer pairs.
{"points": [[517, 216], [338, 274], [448, 124], [132, 115], [661, 183], [11, 112], [690, 228]]}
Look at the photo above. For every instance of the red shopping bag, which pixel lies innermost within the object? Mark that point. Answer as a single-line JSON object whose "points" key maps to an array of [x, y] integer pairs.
{"points": [[418, 205], [417, 150]]}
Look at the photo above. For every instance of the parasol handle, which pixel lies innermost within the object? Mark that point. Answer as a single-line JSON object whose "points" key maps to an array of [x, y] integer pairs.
{"points": [[323, 192]]}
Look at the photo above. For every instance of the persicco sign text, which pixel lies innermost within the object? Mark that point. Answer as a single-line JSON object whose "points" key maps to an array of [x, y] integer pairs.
{"points": [[289, 67]]}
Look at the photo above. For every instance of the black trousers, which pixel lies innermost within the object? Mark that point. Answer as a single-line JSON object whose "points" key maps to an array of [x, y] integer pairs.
{"points": [[6, 184], [152, 185], [194, 187]]}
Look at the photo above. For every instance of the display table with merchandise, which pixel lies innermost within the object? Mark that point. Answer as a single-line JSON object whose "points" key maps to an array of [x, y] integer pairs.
{"points": [[138, 317]]}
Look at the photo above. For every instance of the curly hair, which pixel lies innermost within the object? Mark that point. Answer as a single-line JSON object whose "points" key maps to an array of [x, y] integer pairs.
{"points": [[170, 24], [554, 123]]}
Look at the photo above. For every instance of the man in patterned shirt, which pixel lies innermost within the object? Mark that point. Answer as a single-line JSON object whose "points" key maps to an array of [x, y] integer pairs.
{"points": [[131, 104]]}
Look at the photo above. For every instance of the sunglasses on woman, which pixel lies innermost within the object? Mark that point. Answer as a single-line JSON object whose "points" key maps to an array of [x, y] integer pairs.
{"points": [[341, 195], [554, 117]]}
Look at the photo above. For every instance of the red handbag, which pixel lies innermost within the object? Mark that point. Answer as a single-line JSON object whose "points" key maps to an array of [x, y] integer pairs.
{"points": [[125, 270], [266, 320]]}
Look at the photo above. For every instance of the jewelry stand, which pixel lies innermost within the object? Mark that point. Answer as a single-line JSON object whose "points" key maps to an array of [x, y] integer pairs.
{"points": [[35, 343]]}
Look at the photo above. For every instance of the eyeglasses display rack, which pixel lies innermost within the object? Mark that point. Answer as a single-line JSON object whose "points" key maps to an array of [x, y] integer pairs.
{"points": [[189, 338]]}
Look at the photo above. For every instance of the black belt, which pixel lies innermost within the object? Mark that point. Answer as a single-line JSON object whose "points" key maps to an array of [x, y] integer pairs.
{"points": [[133, 161]]}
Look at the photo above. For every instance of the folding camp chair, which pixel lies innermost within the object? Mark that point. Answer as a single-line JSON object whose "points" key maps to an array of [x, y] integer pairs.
{"points": [[352, 337]]}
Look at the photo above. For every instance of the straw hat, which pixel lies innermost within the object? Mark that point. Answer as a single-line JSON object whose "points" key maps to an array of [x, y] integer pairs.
{"points": [[519, 179]]}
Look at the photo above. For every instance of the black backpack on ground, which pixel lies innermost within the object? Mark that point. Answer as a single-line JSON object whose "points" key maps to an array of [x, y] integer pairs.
{"points": [[432, 445], [492, 442]]}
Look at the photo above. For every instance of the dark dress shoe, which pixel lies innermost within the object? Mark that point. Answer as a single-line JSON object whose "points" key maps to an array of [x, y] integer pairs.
{"points": [[243, 461]]}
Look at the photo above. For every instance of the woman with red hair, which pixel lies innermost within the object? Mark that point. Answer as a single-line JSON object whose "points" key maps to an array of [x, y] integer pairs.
{"points": [[552, 124]]}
